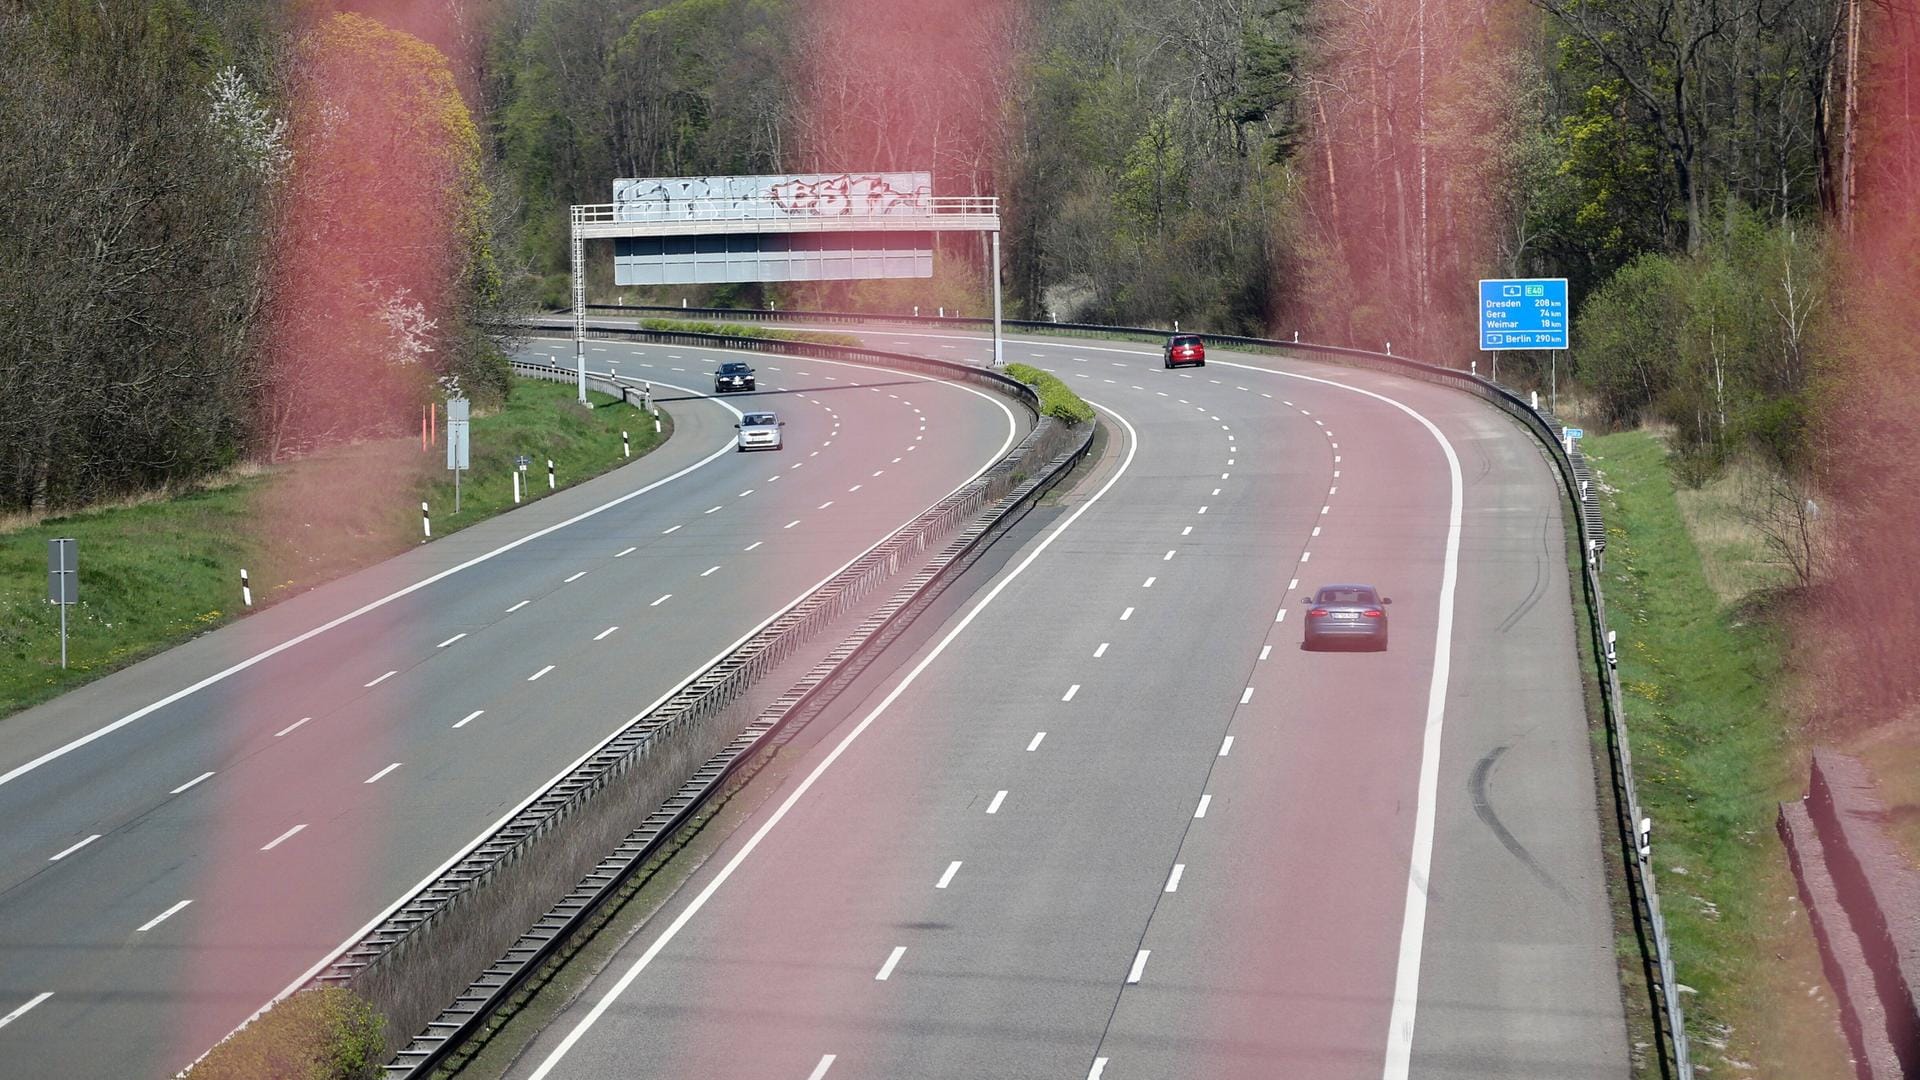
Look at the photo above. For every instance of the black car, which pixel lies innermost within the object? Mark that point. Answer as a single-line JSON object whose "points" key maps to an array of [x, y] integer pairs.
{"points": [[733, 375], [1356, 613]]}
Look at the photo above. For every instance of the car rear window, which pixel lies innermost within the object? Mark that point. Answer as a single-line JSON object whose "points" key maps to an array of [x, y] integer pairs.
{"points": [[756, 419], [1346, 595], [1186, 339]]}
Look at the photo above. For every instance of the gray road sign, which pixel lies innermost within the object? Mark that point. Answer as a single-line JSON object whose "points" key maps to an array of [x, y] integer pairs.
{"points": [[63, 572]]}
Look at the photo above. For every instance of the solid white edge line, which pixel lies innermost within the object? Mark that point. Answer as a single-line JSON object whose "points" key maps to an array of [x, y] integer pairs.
{"points": [[700, 901], [266, 654], [22, 1010]]}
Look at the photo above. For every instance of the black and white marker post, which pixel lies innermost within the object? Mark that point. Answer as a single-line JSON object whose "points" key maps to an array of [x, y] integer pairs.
{"points": [[246, 588]]}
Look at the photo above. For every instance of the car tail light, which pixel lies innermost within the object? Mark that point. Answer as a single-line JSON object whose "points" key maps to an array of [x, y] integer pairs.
{"points": [[1373, 613], [1317, 613]]}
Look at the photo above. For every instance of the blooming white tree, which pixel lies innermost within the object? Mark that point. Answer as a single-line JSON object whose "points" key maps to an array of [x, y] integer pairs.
{"points": [[407, 322], [256, 136]]}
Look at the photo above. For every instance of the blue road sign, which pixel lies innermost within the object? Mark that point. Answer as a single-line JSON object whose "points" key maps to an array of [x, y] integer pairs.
{"points": [[1574, 432], [1523, 313]]}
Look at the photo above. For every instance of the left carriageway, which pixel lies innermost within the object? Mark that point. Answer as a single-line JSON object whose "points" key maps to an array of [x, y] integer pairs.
{"points": [[191, 836]]}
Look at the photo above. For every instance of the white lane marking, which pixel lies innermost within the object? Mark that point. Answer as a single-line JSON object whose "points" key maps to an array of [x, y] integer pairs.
{"points": [[1226, 746], [1334, 490], [745, 493], [601, 636], [576, 577], [855, 488], [1099, 1067], [1223, 476], [1305, 555], [1127, 614], [753, 545], [877, 472], [291, 726], [663, 599], [1203, 509], [1336, 461], [816, 453], [469, 718], [820, 1071], [539, 673], [1188, 531], [791, 524], [1229, 461], [521, 604], [381, 773], [686, 915], [381, 679], [451, 640], [162, 917], [1201, 810], [1139, 966], [1266, 651], [1217, 491], [1324, 509], [1101, 651], [711, 510], [675, 528], [73, 848], [282, 838], [1173, 879], [1071, 690], [1316, 530], [1148, 584], [22, 1010], [190, 783], [1246, 695], [1336, 446], [1294, 584], [1035, 744], [893, 958], [895, 461], [708, 570], [1336, 474], [999, 797], [1282, 616], [946, 879], [1168, 557], [824, 505]]}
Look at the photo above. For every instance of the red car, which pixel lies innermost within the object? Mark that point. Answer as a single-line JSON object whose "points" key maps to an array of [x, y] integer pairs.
{"points": [[1183, 349]]}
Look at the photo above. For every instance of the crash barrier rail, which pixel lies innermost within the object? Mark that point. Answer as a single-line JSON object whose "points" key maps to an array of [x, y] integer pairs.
{"points": [[1571, 465], [510, 903]]}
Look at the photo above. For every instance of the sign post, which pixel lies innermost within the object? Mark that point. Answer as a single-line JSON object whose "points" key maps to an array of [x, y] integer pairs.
{"points": [[457, 453], [1525, 313], [63, 583]]}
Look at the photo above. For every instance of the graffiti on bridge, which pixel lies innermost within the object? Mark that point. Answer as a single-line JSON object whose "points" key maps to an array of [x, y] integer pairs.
{"points": [[809, 195]]}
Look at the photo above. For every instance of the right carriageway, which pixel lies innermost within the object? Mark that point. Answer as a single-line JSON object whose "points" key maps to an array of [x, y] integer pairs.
{"points": [[1108, 818]]}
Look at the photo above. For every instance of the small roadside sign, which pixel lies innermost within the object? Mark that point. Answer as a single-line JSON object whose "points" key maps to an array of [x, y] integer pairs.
{"points": [[522, 461], [1575, 433]]}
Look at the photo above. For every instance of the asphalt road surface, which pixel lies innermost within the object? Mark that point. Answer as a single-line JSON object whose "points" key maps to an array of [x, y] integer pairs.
{"points": [[1110, 820], [189, 837]]}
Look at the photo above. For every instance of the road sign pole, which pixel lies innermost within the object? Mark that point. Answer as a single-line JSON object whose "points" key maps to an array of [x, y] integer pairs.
{"points": [[63, 583], [1553, 382], [999, 356], [456, 491]]}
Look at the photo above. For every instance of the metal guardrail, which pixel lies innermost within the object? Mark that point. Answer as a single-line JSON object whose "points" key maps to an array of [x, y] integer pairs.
{"points": [[1576, 478], [1013, 483]]}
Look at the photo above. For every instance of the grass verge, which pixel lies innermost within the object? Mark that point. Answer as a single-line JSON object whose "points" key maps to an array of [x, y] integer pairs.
{"points": [[1714, 753], [1056, 399], [695, 326], [154, 573]]}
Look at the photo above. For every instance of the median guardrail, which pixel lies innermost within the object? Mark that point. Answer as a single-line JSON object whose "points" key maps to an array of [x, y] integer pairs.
{"points": [[477, 933], [1569, 463]]}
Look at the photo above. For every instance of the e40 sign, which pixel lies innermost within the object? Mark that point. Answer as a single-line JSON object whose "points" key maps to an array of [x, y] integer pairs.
{"points": [[1523, 313]]}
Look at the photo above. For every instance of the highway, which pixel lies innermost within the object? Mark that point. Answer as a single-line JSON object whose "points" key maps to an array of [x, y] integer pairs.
{"points": [[199, 832], [1108, 819]]}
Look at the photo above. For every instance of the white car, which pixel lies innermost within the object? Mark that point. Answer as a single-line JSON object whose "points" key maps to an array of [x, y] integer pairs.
{"points": [[759, 431]]}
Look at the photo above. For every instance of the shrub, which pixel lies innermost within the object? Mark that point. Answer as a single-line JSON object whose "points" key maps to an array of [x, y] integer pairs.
{"points": [[1056, 400], [327, 1034], [763, 333]]}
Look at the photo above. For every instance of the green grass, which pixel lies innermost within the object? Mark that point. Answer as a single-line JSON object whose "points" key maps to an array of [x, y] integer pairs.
{"points": [[695, 326], [158, 571], [1714, 754], [1056, 399]]}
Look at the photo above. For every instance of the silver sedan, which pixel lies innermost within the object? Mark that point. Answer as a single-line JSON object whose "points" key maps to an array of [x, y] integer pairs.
{"points": [[1347, 613]]}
